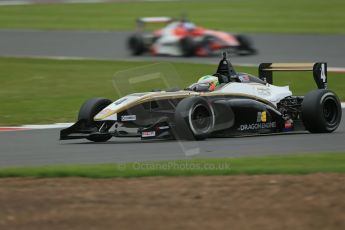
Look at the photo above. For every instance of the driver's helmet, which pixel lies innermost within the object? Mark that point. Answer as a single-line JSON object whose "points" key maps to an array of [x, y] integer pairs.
{"points": [[188, 26], [212, 81]]}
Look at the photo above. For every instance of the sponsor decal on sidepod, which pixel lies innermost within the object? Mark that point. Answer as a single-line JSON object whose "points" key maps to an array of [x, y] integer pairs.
{"points": [[148, 134], [128, 118], [256, 126]]}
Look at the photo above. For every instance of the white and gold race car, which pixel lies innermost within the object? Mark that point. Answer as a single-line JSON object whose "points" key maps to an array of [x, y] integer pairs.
{"points": [[240, 105]]}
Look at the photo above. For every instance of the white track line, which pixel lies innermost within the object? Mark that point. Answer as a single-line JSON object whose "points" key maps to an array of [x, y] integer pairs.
{"points": [[10, 3], [76, 58], [31, 127], [57, 125], [29, 2], [48, 126], [336, 70]]}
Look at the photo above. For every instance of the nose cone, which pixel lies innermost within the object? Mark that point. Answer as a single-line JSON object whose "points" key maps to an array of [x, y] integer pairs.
{"points": [[106, 114]]}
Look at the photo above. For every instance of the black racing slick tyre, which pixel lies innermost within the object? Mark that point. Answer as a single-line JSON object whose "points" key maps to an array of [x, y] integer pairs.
{"points": [[246, 45], [194, 119], [321, 111], [87, 112], [188, 46], [136, 44]]}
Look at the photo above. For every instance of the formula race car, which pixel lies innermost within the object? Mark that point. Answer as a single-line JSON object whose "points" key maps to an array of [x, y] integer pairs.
{"points": [[183, 38], [240, 105]]}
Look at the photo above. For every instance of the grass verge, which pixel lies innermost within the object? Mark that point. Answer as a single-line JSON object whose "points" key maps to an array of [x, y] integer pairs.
{"points": [[293, 16], [46, 91], [287, 164]]}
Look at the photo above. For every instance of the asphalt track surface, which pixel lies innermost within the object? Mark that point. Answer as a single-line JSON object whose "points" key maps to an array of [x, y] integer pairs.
{"points": [[42, 147], [112, 45]]}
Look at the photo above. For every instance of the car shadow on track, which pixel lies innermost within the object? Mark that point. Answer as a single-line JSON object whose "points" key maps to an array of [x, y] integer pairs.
{"points": [[155, 141]]}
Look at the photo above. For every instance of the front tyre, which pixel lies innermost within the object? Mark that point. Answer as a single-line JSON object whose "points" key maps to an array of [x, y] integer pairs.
{"points": [[136, 44], [321, 111], [194, 119], [87, 112]]}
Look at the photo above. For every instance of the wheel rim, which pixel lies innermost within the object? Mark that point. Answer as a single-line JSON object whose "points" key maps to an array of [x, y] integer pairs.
{"points": [[201, 119], [330, 111]]}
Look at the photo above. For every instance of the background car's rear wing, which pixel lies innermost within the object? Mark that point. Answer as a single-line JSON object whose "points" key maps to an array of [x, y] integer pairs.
{"points": [[151, 20], [319, 71]]}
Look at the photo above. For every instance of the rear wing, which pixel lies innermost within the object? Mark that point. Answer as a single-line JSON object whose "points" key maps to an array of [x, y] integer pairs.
{"points": [[152, 20], [319, 71]]}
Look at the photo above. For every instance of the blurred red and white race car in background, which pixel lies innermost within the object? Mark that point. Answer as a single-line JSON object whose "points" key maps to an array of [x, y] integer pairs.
{"points": [[184, 38]]}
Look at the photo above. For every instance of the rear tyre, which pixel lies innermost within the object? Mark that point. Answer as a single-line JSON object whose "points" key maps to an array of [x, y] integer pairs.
{"points": [[136, 44], [321, 111], [188, 46], [194, 119], [87, 112], [246, 46]]}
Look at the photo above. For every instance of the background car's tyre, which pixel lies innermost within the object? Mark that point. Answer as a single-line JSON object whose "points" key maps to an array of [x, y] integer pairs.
{"points": [[194, 119], [246, 46], [136, 44], [321, 111], [88, 110], [188, 46]]}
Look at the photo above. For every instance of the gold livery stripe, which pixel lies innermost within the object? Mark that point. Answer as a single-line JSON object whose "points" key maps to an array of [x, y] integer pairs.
{"points": [[177, 95]]}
